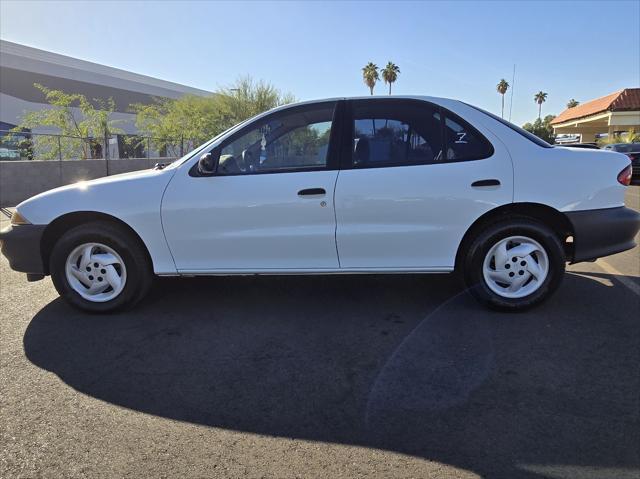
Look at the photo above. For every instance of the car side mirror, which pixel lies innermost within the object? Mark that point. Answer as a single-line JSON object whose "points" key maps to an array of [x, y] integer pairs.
{"points": [[207, 164]]}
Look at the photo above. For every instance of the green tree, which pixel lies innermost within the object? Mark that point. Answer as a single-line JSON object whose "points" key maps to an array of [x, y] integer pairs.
{"points": [[370, 75], [247, 98], [572, 103], [196, 118], [502, 88], [630, 137], [542, 128], [540, 98], [83, 124], [390, 74], [169, 122]]}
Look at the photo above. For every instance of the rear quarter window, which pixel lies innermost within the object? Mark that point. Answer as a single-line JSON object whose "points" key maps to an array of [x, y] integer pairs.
{"points": [[529, 136], [463, 142]]}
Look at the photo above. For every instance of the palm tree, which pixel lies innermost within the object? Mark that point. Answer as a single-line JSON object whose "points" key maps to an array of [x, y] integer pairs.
{"points": [[502, 88], [390, 74], [370, 75], [572, 103], [540, 98]]}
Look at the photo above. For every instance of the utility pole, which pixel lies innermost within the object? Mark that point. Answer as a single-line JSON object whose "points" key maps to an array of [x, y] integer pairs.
{"points": [[513, 83]]}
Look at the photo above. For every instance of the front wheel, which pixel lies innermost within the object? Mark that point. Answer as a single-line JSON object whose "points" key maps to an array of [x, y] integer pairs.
{"points": [[100, 267], [514, 265]]}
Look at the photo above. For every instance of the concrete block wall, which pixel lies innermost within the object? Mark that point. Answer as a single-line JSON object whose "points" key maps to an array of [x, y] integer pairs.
{"points": [[20, 180], [79, 170]]}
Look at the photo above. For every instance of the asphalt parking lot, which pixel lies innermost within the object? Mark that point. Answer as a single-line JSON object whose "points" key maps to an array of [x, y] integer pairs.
{"points": [[348, 376]]}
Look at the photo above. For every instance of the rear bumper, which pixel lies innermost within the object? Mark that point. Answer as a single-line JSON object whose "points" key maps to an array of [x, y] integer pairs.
{"points": [[604, 232], [21, 246]]}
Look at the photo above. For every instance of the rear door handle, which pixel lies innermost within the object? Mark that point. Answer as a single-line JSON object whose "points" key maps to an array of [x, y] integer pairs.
{"points": [[312, 192], [480, 183]]}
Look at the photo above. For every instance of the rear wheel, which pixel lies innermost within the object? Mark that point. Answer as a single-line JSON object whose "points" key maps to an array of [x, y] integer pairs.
{"points": [[100, 267], [514, 265]]}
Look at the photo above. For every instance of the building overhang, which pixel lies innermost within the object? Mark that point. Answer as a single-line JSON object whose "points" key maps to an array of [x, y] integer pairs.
{"points": [[600, 122]]}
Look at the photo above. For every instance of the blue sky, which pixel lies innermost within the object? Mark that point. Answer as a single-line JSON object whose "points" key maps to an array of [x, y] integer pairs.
{"points": [[454, 49]]}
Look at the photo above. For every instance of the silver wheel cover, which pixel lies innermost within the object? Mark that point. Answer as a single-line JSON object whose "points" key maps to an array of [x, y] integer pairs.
{"points": [[515, 267], [96, 272]]}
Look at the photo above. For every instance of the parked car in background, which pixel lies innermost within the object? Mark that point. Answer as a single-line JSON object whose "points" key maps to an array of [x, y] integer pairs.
{"points": [[361, 185], [632, 150], [592, 146]]}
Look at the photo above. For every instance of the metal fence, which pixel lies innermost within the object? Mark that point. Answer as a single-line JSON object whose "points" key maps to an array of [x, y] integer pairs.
{"points": [[26, 145]]}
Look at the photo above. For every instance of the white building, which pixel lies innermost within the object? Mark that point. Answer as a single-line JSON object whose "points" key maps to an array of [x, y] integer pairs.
{"points": [[22, 66]]}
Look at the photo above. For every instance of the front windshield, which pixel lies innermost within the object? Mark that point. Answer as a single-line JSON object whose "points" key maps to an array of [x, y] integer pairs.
{"points": [[179, 161]]}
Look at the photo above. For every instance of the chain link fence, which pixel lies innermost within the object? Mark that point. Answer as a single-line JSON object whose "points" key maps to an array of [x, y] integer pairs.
{"points": [[25, 145]]}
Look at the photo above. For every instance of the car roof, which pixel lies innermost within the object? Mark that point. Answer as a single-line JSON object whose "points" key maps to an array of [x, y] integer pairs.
{"points": [[370, 97], [433, 99]]}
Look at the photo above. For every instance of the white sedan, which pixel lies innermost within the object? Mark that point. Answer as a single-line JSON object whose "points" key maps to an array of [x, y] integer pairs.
{"points": [[363, 185]]}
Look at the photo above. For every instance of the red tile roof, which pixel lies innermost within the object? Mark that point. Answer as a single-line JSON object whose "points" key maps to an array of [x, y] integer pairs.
{"points": [[627, 99]]}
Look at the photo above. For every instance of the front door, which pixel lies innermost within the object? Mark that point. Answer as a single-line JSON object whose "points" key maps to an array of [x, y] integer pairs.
{"points": [[269, 205]]}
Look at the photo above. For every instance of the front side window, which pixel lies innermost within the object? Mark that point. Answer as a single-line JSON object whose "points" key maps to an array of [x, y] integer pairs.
{"points": [[285, 141], [395, 133]]}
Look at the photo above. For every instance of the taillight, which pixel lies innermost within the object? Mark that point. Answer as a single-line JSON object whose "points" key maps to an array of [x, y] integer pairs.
{"points": [[624, 177]]}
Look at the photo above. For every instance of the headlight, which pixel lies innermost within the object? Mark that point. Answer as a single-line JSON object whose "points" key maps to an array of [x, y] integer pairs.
{"points": [[18, 219]]}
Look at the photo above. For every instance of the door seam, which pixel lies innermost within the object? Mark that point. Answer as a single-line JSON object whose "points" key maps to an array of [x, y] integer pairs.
{"points": [[335, 217], [164, 233]]}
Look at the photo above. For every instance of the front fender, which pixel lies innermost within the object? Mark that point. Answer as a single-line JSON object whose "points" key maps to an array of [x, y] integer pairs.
{"points": [[133, 198]]}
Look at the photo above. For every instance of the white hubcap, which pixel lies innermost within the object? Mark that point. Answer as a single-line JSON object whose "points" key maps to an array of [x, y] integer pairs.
{"points": [[515, 267], [96, 272]]}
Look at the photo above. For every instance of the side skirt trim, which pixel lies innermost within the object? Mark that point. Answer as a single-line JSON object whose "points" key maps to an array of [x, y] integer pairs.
{"points": [[231, 272]]}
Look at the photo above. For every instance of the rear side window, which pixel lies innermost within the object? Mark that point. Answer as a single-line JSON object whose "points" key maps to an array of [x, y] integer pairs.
{"points": [[462, 142], [409, 132], [395, 133]]}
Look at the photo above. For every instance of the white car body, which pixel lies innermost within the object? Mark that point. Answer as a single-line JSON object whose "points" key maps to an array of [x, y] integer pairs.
{"points": [[396, 219], [364, 185]]}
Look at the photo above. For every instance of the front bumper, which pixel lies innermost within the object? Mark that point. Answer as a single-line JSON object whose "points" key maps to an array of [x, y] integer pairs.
{"points": [[21, 245], [603, 232]]}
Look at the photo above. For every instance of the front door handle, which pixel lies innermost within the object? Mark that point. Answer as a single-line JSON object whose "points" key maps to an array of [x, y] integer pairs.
{"points": [[312, 192], [480, 183]]}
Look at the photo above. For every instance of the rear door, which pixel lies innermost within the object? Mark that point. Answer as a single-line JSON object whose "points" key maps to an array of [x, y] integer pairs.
{"points": [[415, 177]]}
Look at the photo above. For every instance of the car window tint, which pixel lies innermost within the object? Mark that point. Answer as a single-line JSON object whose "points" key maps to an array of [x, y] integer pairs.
{"points": [[283, 142], [463, 142], [394, 133], [530, 136]]}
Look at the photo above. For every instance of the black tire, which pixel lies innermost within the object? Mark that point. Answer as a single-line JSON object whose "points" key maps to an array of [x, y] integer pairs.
{"points": [[134, 255], [479, 247]]}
